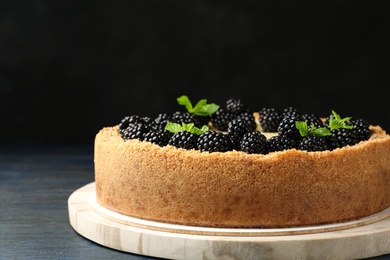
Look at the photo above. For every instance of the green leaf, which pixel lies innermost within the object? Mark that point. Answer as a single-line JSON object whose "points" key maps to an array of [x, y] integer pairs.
{"points": [[173, 127], [200, 109], [200, 131], [206, 110], [302, 127], [176, 128], [336, 122], [185, 101], [322, 131]]}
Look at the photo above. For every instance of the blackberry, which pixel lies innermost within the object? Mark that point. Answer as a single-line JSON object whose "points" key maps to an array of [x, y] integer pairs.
{"points": [[281, 143], [200, 121], [135, 131], [362, 128], [147, 121], [235, 106], [270, 119], [312, 119], [221, 119], [291, 112], [313, 143], [186, 117], [184, 139], [237, 128], [127, 120], [287, 128], [180, 117], [160, 137], [254, 142], [213, 141], [249, 119], [342, 137], [162, 119]]}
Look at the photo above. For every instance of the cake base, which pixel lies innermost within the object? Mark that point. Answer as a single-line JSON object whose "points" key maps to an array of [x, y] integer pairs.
{"points": [[363, 238]]}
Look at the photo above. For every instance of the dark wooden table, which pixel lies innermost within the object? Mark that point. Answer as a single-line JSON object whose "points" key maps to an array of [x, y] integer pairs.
{"points": [[35, 183]]}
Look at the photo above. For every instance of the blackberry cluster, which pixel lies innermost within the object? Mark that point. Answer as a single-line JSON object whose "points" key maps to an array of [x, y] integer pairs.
{"points": [[186, 117], [235, 109], [213, 141], [162, 119], [220, 119], [291, 112], [240, 127], [287, 128], [135, 127], [270, 119], [185, 140], [254, 143], [343, 137], [280, 143], [313, 143], [237, 129], [235, 106], [160, 137], [313, 119]]}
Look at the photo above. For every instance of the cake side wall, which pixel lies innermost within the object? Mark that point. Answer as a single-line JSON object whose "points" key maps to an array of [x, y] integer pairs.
{"points": [[288, 188]]}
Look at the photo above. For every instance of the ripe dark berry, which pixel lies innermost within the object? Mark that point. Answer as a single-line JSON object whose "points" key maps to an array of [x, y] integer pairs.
{"points": [[221, 119], [180, 117], [160, 137], [127, 120], [313, 143], [362, 129], [291, 112], [200, 121], [249, 119], [185, 140], [287, 128], [235, 106], [237, 128], [213, 141], [281, 143], [254, 142], [270, 119], [342, 137], [134, 131], [313, 119], [162, 119]]}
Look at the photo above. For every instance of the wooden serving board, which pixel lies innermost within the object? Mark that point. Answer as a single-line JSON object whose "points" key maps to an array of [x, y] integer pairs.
{"points": [[363, 238]]}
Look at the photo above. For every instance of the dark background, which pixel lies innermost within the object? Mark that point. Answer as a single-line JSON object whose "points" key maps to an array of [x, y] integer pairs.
{"points": [[69, 68]]}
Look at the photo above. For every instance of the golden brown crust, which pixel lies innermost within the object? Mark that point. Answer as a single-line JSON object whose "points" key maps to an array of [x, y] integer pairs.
{"points": [[235, 189]]}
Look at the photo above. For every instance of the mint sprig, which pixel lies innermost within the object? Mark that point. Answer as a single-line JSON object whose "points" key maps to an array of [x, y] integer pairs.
{"points": [[336, 122], [176, 128], [305, 131], [201, 108]]}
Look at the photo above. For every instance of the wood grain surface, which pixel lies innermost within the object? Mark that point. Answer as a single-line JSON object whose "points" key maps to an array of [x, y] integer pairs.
{"points": [[35, 183]]}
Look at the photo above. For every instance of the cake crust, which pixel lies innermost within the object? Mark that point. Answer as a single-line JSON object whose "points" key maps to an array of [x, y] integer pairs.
{"points": [[234, 189]]}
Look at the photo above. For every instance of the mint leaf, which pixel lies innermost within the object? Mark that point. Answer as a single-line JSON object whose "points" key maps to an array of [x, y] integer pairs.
{"points": [[176, 128], [185, 101], [173, 127], [200, 109], [336, 122], [200, 131], [321, 132], [304, 129], [206, 109]]}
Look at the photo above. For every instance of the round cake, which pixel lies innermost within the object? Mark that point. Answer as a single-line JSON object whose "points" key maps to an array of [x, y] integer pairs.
{"points": [[234, 188]]}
